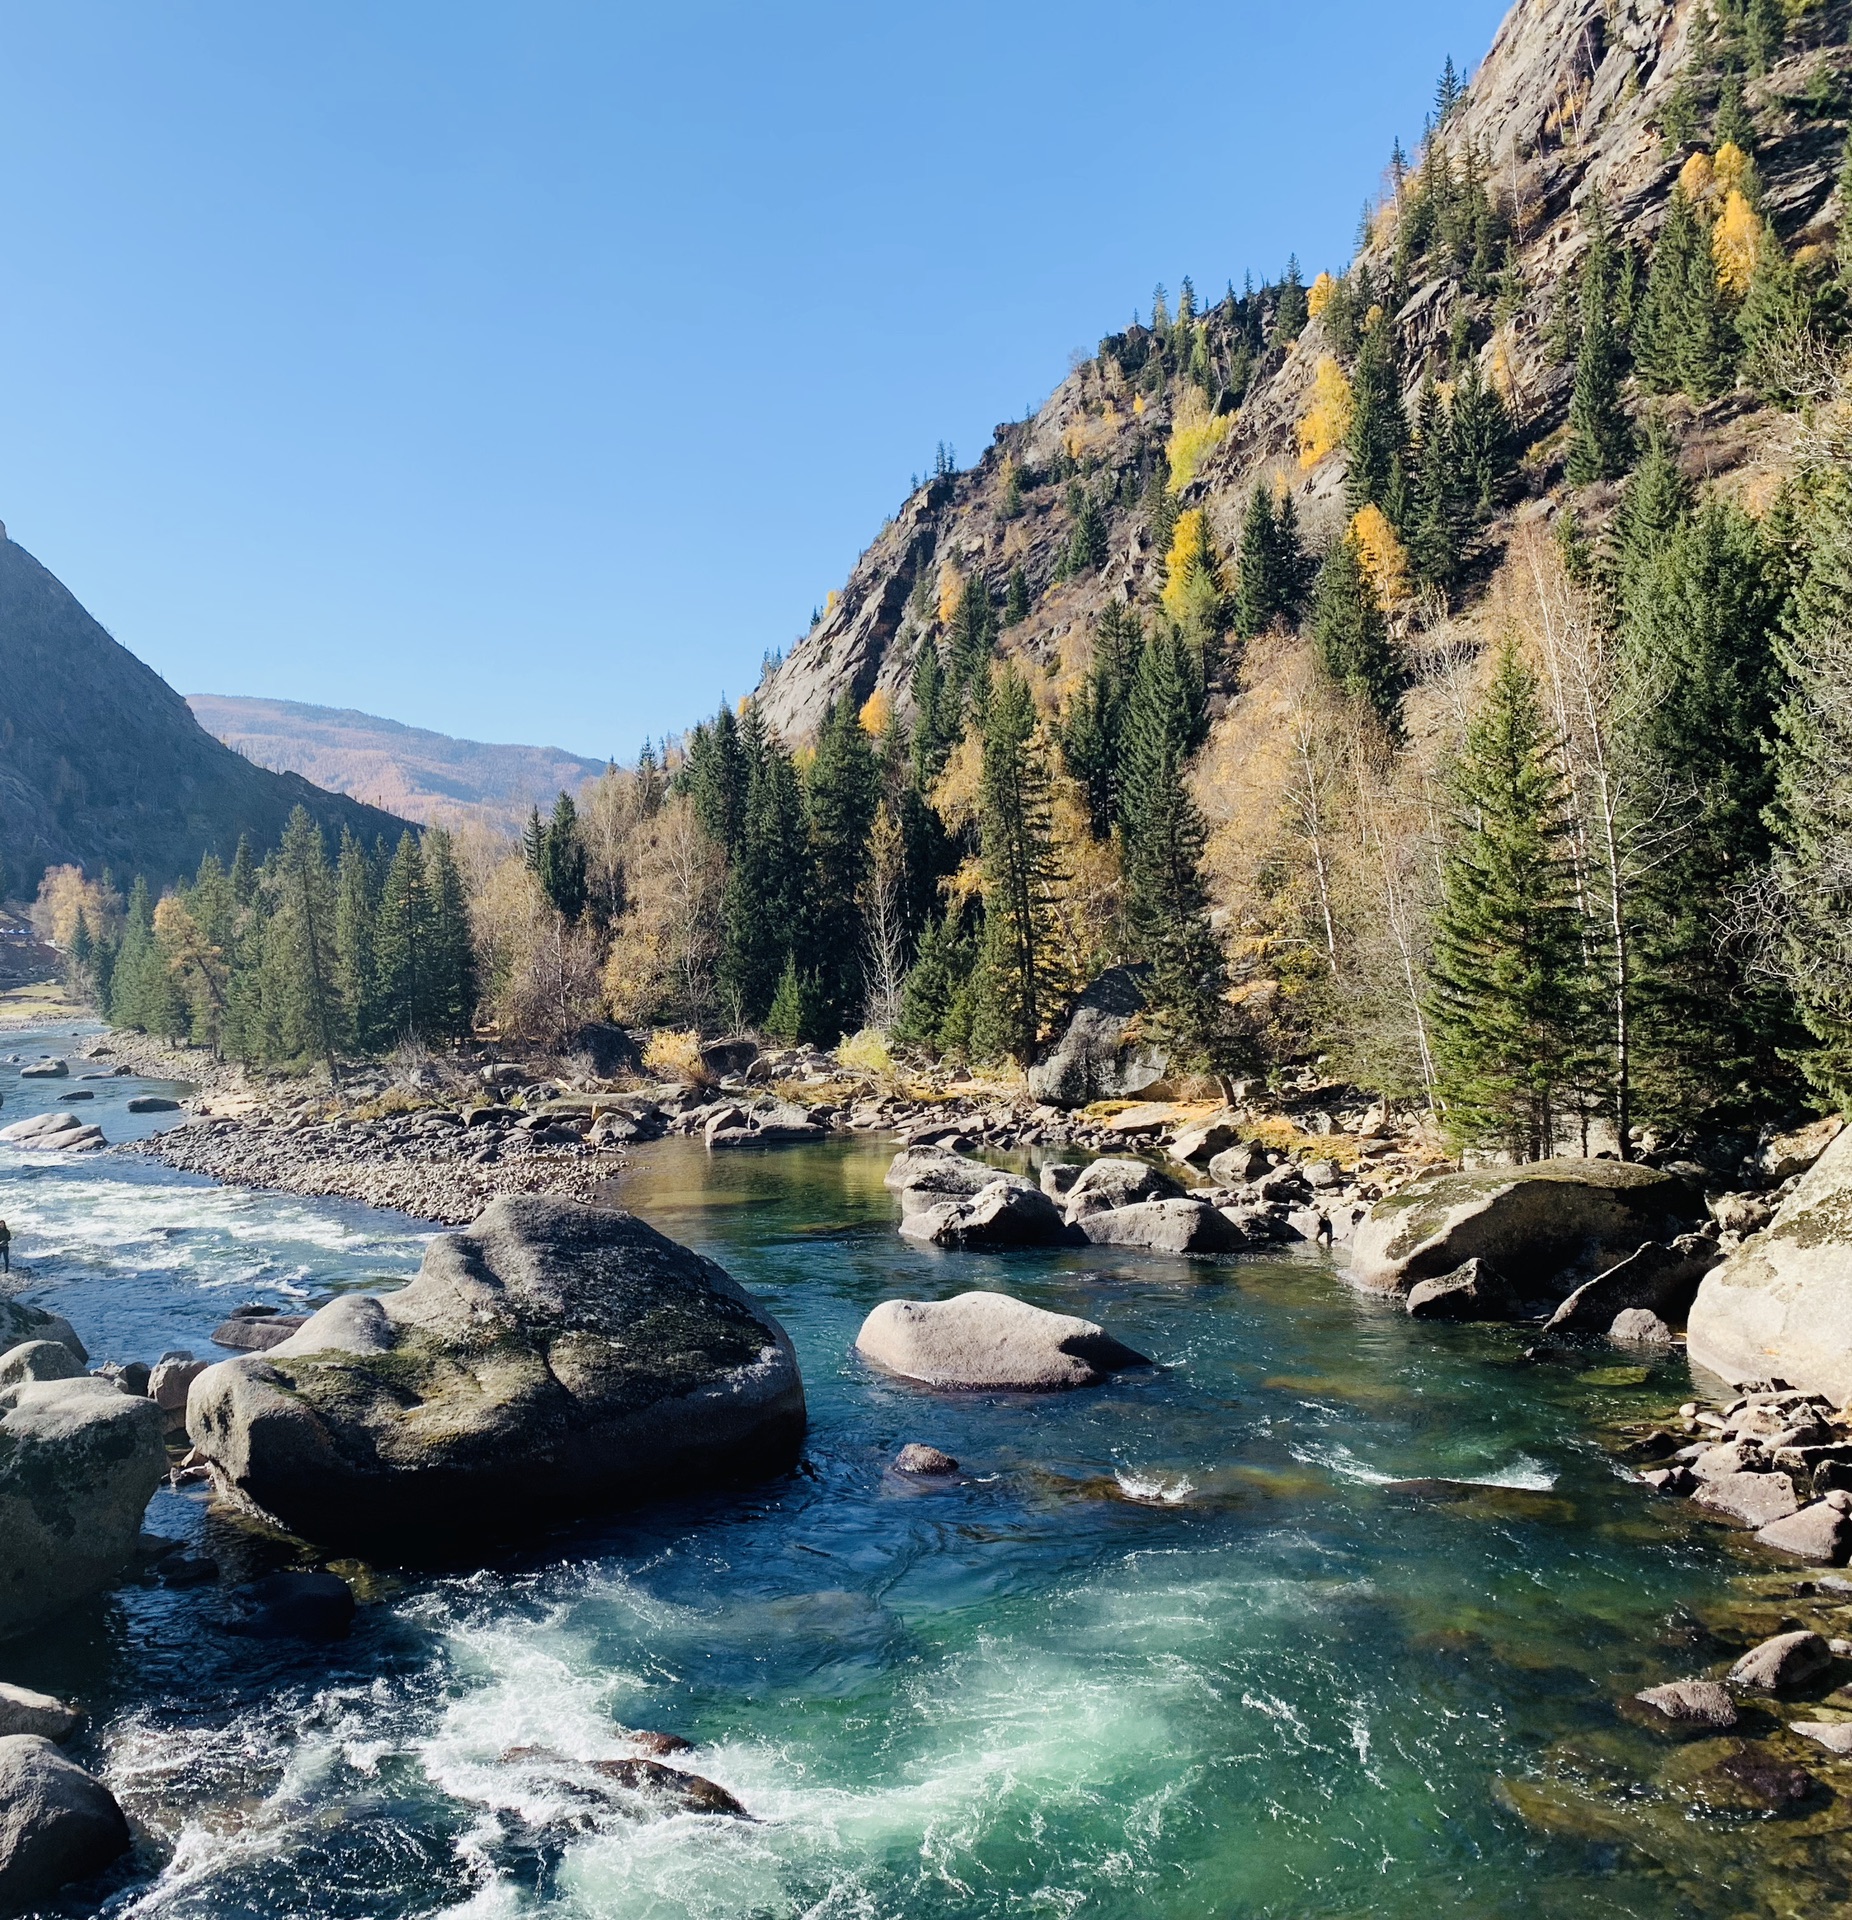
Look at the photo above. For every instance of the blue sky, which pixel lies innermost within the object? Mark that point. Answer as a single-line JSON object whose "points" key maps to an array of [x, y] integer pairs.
{"points": [[528, 371]]}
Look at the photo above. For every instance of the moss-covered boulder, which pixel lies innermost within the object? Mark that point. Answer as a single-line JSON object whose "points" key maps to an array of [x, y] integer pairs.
{"points": [[1781, 1305], [552, 1361], [1545, 1227]]}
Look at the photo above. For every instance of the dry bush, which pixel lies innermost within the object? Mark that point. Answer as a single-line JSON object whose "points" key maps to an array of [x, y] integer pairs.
{"points": [[866, 1052], [675, 1054]]}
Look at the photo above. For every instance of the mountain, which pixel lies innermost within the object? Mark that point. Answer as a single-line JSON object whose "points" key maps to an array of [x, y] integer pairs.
{"points": [[1574, 98], [102, 764], [420, 774]]}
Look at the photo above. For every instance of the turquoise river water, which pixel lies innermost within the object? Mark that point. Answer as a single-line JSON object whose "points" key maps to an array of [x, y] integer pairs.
{"points": [[1175, 1647]]}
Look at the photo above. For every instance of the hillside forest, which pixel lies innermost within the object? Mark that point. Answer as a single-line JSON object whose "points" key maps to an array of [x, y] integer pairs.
{"points": [[1437, 672]]}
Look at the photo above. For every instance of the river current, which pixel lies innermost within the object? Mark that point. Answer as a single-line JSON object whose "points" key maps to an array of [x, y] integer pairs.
{"points": [[1180, 1646]]}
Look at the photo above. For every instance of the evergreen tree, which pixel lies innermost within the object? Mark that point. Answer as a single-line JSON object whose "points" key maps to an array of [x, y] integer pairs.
{"points": [[1480, 426], [1842, 196], [451, 1000], [1272, 568], [355, 910], [301, 989], [939, 999], [1016, 599], [403, 945], [1653, 505], [1812, 811], [555, 852], [1166, 901], [1017, 867], [1089, 731], [935, 715], [1774, 321], [1086, 547], [1684, 340], [1507, 1001], [718, 776], [1447, 92], [1698, 652], [1351, 635], [796, 1013], [974, 634], [130, 993], [1377, 443], [1290, 310], [1600, 441], [841, 793], [1437, 506], [765, 910], [243, 873]]}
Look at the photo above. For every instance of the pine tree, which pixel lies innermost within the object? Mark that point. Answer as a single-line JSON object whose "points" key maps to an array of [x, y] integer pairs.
{"points": [[355, 910], [1480, 426], [766, 908], [935, 715], [402, 944], [451, 996], [1812, 812], [938, 1001], [1653, 505], [1377, 443], [1017, 869], [718, 775], [1437, 510], [1698, 652], [841, 792], [302, 992], [1507, 1001], [1167, 902], [1351, 635], [1089, 730], [243, 873], [1016, 598], [1447, 92], [1600, 441], [1774, 322]]}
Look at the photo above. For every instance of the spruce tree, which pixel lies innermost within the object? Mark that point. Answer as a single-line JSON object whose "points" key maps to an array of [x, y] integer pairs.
{"points": [[555, 853], [1774, 322], [1377, 442], [1351, 634], [841, 792], [1703, 680], [355, 911], [765, 909], [1016, 598], [1479, 424], [1653, 505], [402, 944], [1166, 900], [302, 990], [1437, 508], [796, 1013], [1600, 441], [718, 775], [1017, 865], [939, 999], [1089, 731], [1507, 1002], [1258, 588], [450, 1004], [243, 873], [130, 990], [974, 635], [935, 715]]}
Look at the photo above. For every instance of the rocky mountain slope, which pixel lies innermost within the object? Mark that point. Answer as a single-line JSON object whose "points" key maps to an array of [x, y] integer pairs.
{"points": [[102, 764], [1574, 97], [422, 775]]}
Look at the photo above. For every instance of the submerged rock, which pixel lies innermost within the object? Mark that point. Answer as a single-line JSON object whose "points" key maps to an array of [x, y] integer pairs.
{"points": [[45, 1070], [78, 1463], [554, 1360], [923, 1460], [1782, 1302], [1787, 1660], [1544, 1226], [1640, 1327], [57, 1824], [926, 1177], [989, 1340], [1834, 1735], [296, 1606], [685, 1792]]}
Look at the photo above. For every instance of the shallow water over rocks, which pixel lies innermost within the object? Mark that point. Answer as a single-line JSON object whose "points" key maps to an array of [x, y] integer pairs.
{"points": [[1329, 1614]]}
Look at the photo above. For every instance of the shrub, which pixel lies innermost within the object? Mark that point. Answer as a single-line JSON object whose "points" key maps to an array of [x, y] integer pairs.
{"points": [[866, 1052], [675, 1054], [1194, 436]]}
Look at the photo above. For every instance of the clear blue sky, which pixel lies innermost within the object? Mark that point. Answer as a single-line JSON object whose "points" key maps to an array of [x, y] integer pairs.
{"points": [[526, 371]]}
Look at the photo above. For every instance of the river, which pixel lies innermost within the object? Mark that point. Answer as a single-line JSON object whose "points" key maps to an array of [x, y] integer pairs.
{"points": [[1174, 1647]]}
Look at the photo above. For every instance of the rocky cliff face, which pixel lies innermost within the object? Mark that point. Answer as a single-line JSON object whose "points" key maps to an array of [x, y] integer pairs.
{"points": [[102, 764], [1571, 99]]}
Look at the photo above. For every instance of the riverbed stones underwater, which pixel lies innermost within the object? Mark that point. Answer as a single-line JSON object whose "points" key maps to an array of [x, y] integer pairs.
{"points": [[554, 1360]]}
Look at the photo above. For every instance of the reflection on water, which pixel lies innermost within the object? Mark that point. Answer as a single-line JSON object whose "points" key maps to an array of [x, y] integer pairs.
{"points": [[1213, 1639]]}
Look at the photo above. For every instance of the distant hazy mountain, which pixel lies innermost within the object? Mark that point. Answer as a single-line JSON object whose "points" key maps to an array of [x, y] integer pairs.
{"points": [[414, 772], [102, 764]]}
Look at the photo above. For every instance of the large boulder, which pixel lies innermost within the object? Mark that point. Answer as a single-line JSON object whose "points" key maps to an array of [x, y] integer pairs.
{"points": [[1780, 1306], [57, 1824], [930, 1176], [553, 1360], [1165, 1226], [989, 1340], [1004, 1214], [1114, 1183], [1100, 1054], [1657, 1279], [1544, 1227], [79, 1461], [20, 1323]]}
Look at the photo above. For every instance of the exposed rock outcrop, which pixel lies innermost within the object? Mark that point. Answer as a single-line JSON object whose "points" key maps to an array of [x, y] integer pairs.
{"points": [[1545, 1227], [553, 1360], [1098, 1055], [1781, 1305], [1658, 1279], [989, 1340], [79, 1461]]}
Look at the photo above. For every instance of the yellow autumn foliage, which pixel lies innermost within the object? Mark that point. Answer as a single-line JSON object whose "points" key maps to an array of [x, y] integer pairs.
{"points": [[951, 591], [1327, 421], [1696, 178], [1191, 555], [1195, 433], [1318, 294], [829, 602], [876, 711], [673, 1054], [1730, 168], [1138, 404], [1734, 240], [1385, 559]]}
